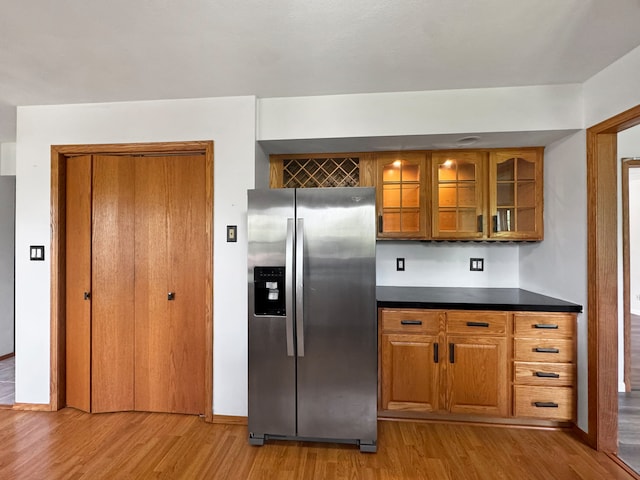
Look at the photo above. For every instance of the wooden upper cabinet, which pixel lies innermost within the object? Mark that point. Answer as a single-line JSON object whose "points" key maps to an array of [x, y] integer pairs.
{"points": [[400, 192], [321, 170], [484, 194], [516, 193], [457, 195], [487, 195]]}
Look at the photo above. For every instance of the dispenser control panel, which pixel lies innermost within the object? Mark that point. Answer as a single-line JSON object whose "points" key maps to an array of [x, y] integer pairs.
{"points": [[269, 291]]}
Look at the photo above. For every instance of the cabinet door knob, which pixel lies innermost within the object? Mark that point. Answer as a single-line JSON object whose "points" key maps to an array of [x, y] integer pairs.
{"points": [[87, 295], [171, 296]]}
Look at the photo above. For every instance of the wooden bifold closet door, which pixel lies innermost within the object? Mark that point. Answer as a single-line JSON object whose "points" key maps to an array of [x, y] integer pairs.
{"points": [[136, 341]]}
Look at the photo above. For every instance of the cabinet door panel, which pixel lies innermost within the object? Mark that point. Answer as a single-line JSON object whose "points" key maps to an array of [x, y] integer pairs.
{"points": [[477, 375], [457, 195], [409, 372], [516, 194], [400, 195]]}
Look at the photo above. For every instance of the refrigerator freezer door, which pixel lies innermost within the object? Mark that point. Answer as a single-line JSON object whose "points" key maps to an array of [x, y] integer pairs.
{"points": [[337, 376], [272, 381]]}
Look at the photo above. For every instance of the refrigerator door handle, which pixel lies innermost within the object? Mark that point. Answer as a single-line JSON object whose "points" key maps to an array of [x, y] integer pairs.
{"points": [[288, 286], [300, 286]]}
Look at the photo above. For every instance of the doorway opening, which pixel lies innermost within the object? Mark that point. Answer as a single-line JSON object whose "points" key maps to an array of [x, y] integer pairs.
{"points": [[602, 289], [59, 158]]}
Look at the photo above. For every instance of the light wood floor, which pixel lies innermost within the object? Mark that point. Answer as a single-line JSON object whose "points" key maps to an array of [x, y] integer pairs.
{"points": [[7, 381], [73, 445]]}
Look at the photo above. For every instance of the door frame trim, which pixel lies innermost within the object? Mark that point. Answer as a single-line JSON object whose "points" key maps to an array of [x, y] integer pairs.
{"points": [[602, 278], [627, 165], [59, 154]]}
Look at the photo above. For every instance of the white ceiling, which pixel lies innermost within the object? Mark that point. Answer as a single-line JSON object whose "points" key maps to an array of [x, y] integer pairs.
{"points": [[74, 51]]}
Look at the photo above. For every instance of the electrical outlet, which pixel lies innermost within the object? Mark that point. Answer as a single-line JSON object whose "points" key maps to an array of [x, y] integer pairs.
{"points": [[476, 264], [400, 264], [638, 296]]}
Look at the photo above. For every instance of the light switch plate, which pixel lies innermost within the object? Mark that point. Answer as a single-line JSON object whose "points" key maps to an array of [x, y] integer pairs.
{"points": [[400, 264], [36, 252], [232, 233], [476, 264]]}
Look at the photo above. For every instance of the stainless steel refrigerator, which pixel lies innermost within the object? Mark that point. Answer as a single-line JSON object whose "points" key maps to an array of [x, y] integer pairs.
{"points": [[312, 315]]}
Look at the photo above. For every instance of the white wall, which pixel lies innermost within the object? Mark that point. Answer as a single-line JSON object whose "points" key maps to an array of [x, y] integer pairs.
{"points": [[557, 266], [612, 90], [7, 247], [230, 122], [419, 113], [446, 264], [7, 159]]}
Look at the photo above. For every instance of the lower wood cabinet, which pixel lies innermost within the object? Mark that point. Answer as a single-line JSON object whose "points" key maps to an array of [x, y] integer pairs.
{"points": [[478, 363], [410, 360], [544, 367], [443, 361], [476, 378]]}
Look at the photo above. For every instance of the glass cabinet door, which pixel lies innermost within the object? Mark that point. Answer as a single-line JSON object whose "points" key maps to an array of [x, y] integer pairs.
{"points": [[516, 194], [457, 192], [400, 195]]}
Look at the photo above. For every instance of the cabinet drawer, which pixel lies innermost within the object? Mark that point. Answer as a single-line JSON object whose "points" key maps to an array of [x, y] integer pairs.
{"points": [[544, 374], [554, 403], [547, 350], [544, 325], [477, 323], [410, 321]]}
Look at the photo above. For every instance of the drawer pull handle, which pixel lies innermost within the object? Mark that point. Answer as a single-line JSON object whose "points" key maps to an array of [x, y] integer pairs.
{"points": [[545, 404], [546, 350], [452, 353], [436, 356], [411, 322], [547, 375], [477, 324], [549, 326]]}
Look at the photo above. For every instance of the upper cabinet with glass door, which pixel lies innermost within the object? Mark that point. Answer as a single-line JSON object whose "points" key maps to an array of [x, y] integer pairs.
{"points": [[515, 181], [401, 195], [458, 195]]}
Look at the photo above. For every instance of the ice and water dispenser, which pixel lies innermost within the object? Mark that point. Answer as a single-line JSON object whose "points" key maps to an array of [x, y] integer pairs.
{"points": [[269, 291]]}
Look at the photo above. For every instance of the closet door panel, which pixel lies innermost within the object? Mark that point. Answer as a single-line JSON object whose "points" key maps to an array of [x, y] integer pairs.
{"points": [[78, 281], [169, 286], [113, 295]]}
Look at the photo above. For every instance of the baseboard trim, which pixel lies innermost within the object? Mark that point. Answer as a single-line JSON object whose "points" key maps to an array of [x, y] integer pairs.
{"points": [[229, 420], [8, 355], [581, 435], [623, 466], [506, 422], [32, 407]]}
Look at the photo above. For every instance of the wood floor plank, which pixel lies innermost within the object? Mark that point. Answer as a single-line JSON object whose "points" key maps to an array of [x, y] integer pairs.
{"points": [[70, 444]]}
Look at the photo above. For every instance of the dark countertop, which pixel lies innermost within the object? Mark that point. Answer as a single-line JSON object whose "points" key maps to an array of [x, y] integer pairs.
{"points": [[511, 299]]}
